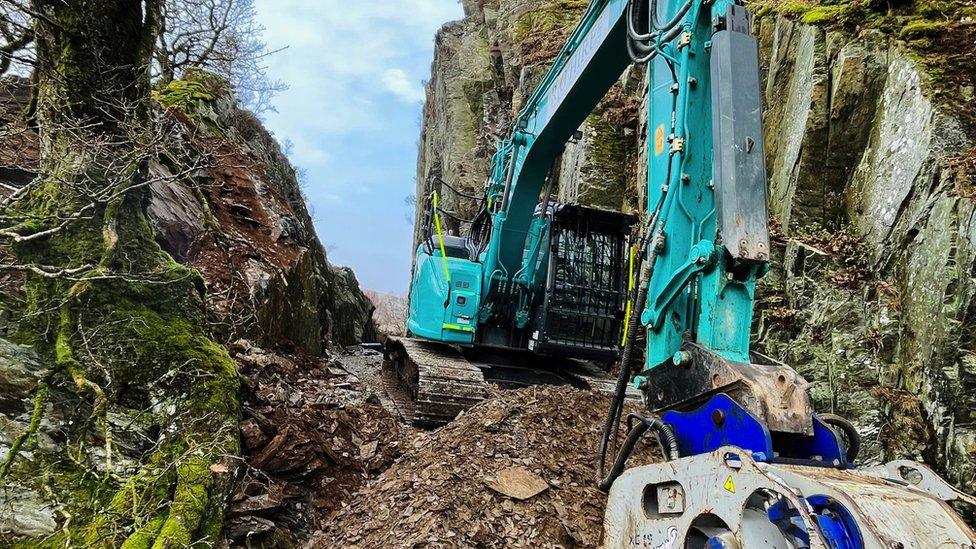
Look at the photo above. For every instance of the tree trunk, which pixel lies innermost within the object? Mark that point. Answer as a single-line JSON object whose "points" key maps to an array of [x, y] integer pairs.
{"points": [[122, 325]]}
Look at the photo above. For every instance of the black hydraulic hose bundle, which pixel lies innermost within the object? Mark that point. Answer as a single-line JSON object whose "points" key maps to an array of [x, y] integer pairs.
{"points": [[643, 47], [654, 236], [853, 445], [635, 431], [610, 426]]}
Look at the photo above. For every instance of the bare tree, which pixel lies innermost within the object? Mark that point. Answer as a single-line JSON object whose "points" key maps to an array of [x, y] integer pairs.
{"points": [[391, 312], [121, 327], [220, 36]]}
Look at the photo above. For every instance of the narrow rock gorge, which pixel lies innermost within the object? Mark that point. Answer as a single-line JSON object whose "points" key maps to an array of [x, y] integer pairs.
{"points": [[871, 161]]}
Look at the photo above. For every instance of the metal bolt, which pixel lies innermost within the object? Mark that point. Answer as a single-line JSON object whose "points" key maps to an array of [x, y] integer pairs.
{"points": [[718, 418], [681, 358]]}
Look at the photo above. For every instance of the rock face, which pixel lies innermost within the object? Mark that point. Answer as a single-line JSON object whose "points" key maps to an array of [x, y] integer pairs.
{"points": [[255, 240], [857, 144], [871, 164], [485, 67], [226, 200]]}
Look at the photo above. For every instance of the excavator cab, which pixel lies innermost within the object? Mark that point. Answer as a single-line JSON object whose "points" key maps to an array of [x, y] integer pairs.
{"points": [[445, 291], [574, 308]]}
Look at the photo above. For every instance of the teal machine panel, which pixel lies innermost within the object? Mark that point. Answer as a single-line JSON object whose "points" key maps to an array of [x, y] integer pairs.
{"points": [[444, 296], [703, 285]]}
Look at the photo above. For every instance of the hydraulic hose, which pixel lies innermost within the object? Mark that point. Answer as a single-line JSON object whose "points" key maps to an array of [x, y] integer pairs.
{"points": [[641, 52], [659, 28], [665, 436], [848, 430], [673, 22], [636, 48], [623, 377]]}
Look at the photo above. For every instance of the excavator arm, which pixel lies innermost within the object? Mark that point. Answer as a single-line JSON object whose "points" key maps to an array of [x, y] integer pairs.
{"points": [[591, 62]]}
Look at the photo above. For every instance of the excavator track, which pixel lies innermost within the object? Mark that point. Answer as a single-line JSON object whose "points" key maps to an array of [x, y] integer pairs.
{"points": [[431, 383], [441, 382]]}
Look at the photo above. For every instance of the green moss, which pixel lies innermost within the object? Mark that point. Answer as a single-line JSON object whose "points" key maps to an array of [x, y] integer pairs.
{"points": [[191, 95], [921, 28], [144, 537], [932, 9], [553, 15], [185, 94], [190, 504], [40, 399], [822, 14], [606, 173], [129, 331], [791, 8]]}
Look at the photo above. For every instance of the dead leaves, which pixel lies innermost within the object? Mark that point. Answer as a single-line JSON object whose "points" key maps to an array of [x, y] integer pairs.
{"points": [[515, 471]]}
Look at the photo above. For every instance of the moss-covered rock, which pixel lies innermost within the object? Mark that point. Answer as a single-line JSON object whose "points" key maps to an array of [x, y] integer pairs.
{"points": [[119, 326], [886, 159]]}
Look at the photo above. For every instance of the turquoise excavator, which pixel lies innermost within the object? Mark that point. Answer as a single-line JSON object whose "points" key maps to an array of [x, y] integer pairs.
{"points": [[538, 292]]}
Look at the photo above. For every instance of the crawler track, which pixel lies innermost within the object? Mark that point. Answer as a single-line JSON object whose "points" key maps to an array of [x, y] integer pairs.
{"points": [[431, 383], [442, 383]]}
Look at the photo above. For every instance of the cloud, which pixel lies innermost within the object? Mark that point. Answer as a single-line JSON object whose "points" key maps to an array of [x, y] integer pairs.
{"points": [[345, 58], [397, 83], [354, 71]]}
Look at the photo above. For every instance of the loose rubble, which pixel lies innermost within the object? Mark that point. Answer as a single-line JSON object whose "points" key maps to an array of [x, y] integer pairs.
{"points": [[311, 435], [446, 489]]}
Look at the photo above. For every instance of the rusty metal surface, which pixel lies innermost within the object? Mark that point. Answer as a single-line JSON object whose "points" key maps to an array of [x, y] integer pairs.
{"points": [[770, 390]]}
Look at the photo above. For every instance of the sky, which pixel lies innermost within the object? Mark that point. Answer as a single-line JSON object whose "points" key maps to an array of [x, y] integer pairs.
{"points": [[351, 116]]}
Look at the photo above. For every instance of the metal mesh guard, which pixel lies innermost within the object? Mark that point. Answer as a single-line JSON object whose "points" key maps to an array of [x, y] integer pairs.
{"points": [[586, 288]]}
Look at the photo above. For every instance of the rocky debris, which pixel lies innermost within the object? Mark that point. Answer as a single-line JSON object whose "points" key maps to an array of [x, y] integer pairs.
{"points": [[312, 434], [518, 483], [24, 510], [241, 219], [20, 371], [448, 489]]}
